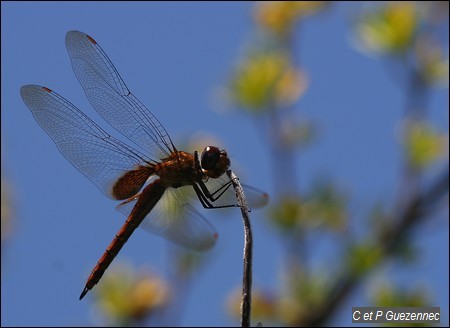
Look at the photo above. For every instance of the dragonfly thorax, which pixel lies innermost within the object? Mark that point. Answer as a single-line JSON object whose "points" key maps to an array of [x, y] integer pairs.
{"points": [[179, 169]]}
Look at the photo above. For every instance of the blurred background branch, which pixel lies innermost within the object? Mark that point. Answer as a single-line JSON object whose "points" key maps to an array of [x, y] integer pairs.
{"points": [[269, 82]]}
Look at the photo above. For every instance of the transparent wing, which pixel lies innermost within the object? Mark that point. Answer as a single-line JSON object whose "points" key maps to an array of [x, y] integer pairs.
{"points": [[223, 189], [176, 220], [222, 186], [95, 153], [111, 98]]}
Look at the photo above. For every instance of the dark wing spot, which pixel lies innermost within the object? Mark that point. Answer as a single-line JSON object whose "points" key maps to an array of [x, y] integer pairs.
{"points": [[131, 182]]}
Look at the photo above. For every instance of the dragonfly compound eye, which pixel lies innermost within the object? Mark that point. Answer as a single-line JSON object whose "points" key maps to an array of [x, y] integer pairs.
{"points": [[214, 161], [210, 157]]}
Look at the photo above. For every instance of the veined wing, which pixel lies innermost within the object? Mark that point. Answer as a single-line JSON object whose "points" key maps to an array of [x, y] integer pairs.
{"points": [[111, 98], [175, 219], [99, 156], [222, 189]]}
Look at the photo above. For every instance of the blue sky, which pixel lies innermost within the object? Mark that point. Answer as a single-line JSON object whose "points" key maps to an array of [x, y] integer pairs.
{"points": [[174, 57]]}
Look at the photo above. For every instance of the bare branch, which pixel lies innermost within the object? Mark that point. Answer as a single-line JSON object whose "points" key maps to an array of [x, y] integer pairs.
{"points": [[248, 252]]}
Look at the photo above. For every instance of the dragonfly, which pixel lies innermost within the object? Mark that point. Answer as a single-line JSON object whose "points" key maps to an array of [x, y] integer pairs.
{"points": [[155, 182]]}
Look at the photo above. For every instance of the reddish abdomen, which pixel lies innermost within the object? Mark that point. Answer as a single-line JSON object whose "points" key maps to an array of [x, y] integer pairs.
{"points": [[147, 200]]}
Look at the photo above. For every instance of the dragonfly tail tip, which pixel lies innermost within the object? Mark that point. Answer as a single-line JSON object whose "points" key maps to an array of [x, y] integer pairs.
{"points": [[84, 292]]}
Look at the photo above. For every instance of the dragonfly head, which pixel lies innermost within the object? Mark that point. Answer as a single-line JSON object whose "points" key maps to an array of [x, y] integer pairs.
{"points": [[214, 161]]}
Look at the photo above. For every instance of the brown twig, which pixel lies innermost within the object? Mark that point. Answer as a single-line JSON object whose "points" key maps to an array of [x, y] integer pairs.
{"points": [[246, 304]]}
